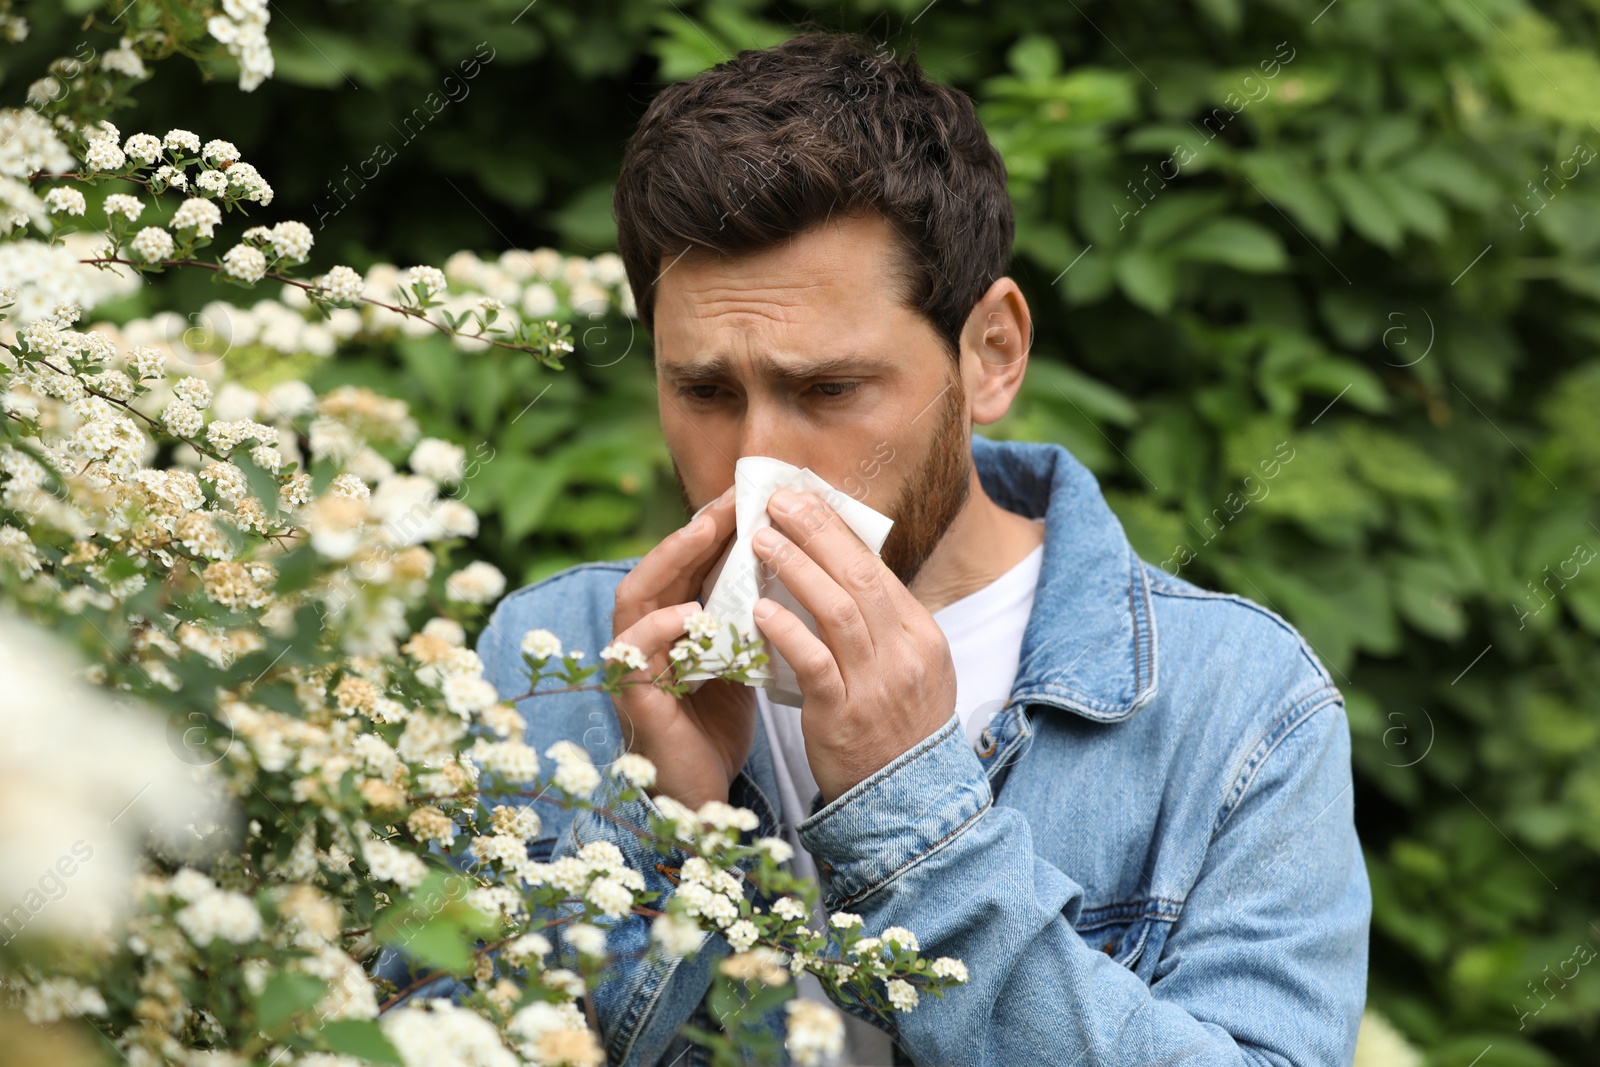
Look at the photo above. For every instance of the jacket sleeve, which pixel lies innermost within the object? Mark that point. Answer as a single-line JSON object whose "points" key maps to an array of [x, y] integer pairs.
{"points": [[1259, 968]]}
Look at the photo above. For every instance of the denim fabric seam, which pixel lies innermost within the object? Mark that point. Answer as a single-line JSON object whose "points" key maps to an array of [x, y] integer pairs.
{"points": [[1141, 649], [1137, 950], [905, 759], [1167, 585], [868, 890], [1111, 914], [1299, 713]]}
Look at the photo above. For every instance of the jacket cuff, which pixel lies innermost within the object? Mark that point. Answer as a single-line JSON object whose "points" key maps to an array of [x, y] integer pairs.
{"points": [[897, 818]]}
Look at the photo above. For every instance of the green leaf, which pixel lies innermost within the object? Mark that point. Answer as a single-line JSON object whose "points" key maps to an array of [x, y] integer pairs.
{"points": [[434, 923], [1227, 14], [1173, 213], [1412, 206], [1394, 465], [363, 1039], [1035, 58], [1366, 207], [1148, 279], [1234, 242], [1288, 185], [529, 489], [1058, 383], [285, 995]]}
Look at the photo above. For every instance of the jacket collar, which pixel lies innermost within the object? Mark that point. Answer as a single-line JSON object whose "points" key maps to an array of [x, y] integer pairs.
{"points": [[1090, 643]]}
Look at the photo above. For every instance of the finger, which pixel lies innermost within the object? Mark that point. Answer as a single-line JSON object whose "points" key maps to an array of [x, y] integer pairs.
{"points": [[821, 531], [641, 704], [654, 632], [676, 568], [841, 623], [826, 539], [814, 665]]}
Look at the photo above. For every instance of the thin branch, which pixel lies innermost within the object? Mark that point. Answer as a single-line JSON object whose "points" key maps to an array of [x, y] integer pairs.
{"points": [[275, 276]]}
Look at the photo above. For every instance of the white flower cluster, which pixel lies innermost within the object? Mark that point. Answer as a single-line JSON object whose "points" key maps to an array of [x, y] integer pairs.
{"points": [[28, 145], [598, 874], [242, 27], [815, 1033]]}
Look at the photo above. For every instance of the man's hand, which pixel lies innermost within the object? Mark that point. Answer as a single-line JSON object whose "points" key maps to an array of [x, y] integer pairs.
{"points": [[699, 743], [881, 678]]}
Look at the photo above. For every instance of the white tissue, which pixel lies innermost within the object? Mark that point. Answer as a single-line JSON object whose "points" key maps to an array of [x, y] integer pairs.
{"points": [[739, 578]]}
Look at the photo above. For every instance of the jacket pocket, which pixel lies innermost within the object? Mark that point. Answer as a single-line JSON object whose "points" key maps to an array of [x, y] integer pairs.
{"points": [[1123, 941]]}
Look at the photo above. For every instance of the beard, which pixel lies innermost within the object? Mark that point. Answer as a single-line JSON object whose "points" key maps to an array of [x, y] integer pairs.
{"points": [[932, 495]]}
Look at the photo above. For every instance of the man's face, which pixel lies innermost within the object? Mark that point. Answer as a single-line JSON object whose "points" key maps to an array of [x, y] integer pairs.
{"points": [[803, 353]]}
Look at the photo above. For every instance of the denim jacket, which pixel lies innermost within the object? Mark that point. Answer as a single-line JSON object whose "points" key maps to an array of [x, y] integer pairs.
{"points": [[1151, 859]]}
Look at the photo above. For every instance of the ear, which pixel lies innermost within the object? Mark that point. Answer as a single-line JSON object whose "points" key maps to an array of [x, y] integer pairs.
{"points": [[994, 350]]}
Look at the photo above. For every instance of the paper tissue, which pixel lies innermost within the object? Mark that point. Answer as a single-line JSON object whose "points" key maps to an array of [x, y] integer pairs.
{"points": [[739, 578]]}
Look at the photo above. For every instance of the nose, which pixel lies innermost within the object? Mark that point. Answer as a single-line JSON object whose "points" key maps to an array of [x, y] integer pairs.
{"points": [[766, 431]]}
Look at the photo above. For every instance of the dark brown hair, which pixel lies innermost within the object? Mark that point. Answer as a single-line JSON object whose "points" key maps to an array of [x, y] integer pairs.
{"points": [[766, 145]]}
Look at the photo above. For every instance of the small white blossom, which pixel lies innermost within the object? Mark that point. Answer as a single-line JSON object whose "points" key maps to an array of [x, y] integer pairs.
{"points": [[61, 199], [900, 938], [701, 624], [245, 263], [588, 939], [776, 847], [212, 182], [789, 908], [525, 948], [130, 207], [575, 772], [610, 897], [541, 644], [153, 243], [440, 460], [344, 285], [219, 914], [675, 935], [635, 769], [291, 240], [625, 653], [193, 391], [902, 994], [198, 212], [815, 1033], [431, 279], [476, 583], [741, 935], [181, 140], [102, 153], [124, 60], [220, 151], [171, 176], [142, 147]]}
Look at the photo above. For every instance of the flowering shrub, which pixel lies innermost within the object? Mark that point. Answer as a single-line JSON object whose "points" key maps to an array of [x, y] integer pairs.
{"points": [[272, 570]]}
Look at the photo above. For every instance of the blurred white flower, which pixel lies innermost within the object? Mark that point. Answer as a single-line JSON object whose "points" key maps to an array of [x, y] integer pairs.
{"points": [[83, 773]]}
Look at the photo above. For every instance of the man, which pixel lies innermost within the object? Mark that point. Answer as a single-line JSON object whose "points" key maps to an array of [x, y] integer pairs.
{"points": [[1122, 800]]}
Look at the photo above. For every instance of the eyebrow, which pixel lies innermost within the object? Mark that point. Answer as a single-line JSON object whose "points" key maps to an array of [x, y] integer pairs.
{"points": [[721, 368]]}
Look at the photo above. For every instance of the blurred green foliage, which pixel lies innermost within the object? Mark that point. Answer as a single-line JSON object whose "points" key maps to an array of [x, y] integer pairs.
{"points": [[1355, 245]]}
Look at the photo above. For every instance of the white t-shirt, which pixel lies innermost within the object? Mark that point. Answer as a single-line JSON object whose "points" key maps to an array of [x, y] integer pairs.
{"points": [[984, 630]]}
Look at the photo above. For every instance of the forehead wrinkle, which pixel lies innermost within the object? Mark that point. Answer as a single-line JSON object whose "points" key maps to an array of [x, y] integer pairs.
{"points": [[722, 367]]}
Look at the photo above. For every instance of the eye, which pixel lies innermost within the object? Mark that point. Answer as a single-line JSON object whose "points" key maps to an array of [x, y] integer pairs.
{"points": [[693, 392], [833, 390]]}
